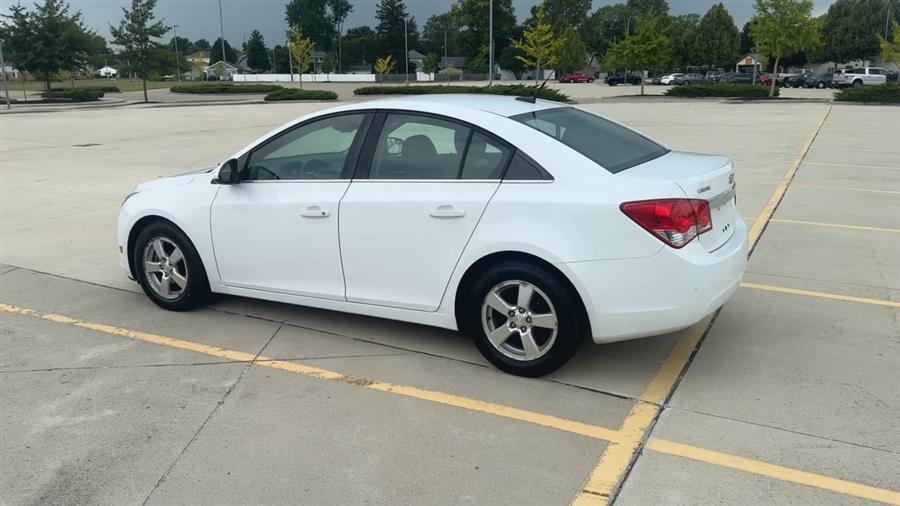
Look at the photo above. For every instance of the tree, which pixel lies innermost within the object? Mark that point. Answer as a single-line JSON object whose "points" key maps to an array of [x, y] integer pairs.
{"points": [[312, 19], [98, 53], [183, 46], [747, 42], [649, 48], [571, 54], [328, 65], [683, 32], [538, 45], [562, 14], [474, 15], [891, 49], [648, 8], [440, 28], [199, 67], [360, 45], [851, 28], [390, 29], [606, 26], [300, 47], [783, 27], [509, 61], [431, 63], [45, 40], [200, 45], [338, 12], [215, 52], [257, 54], [135, 33], [281, 59], [384, 65], [718, 40]]}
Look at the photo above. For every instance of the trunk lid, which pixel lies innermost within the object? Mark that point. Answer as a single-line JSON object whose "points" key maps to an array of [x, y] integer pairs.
{"points": [[700, 176]]}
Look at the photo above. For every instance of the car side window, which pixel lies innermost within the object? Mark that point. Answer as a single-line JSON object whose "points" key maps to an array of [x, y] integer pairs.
{"points": [[316, 150], [418, 147], [522, 169], [485, 158]]}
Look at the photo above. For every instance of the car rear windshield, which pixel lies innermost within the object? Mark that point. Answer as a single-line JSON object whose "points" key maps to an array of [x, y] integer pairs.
{"points": [[612, 146]]}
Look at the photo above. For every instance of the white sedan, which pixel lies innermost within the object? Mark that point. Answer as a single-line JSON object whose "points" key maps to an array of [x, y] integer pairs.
{"points": [[667, 79], [528, 225]]}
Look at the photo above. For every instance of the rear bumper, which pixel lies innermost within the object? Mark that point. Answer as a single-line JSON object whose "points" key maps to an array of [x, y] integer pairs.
{"points": [[669, 291]]}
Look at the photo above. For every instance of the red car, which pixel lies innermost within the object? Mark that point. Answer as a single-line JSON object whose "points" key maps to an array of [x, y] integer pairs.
{"points": [[576, 77]]}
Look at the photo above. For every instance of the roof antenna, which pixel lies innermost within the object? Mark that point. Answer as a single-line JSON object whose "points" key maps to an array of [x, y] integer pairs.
{"points": [[533, 98]]}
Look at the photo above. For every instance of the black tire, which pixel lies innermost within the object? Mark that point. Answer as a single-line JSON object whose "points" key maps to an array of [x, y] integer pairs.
{"points": [[687, 83], [857, 83], [571, 327], [196, 291], [820, 85]]}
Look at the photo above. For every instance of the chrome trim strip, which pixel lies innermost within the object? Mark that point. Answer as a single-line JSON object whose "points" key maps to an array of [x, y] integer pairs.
{"points": [[721, 198]]}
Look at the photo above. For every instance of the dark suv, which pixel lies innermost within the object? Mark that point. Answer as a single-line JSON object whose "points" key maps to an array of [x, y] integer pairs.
{"points": [[617, 79]]}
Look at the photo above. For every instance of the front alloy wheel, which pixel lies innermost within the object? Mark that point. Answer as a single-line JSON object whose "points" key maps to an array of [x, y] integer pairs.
{"points": [[168, 268], [165, 268]]}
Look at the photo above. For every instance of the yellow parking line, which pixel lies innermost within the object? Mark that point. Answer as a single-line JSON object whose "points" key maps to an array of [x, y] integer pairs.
{"points": [[759, 224], [845, 188], [854, 165], [774, 471], [631, 432], [836, 225], [617, 456], [558, 423], [821, 295]]}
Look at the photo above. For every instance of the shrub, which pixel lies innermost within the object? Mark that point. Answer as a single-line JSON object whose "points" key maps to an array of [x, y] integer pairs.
{"points": [[721, 90], [224, 87], [76, 95], [888, 94], [105, 89], [497, 89], [298, 94]]}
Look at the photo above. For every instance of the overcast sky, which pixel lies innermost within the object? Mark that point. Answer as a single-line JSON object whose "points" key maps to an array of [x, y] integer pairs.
{"points": [[200, 18]]}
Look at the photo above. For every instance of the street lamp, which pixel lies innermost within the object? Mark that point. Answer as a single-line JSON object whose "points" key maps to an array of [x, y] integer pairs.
{"points": [[5, 77], [490, 42], [406, 50], [177, 62], [222, 33]]}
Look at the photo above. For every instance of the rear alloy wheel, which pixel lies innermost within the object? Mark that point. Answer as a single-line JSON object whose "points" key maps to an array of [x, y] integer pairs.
{"points": [[523, 319], [169, 269]]}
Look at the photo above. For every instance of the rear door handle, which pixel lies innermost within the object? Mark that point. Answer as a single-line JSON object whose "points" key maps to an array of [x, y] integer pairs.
{"points": [[315, 212], [447, 212]]}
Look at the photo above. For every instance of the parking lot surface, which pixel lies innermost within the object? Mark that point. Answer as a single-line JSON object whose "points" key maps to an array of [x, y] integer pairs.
{"points": [[789, 396]]}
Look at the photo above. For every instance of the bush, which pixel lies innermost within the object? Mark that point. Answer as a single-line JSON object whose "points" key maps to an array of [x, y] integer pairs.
{"points": [[75, 95], [887, 94], [497, 89], [223, 87], [298, 94], [721, 90], [105, 89]]}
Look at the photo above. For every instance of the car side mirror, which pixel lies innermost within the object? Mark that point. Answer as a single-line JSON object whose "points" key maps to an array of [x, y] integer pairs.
{"points": [[228, 173]]}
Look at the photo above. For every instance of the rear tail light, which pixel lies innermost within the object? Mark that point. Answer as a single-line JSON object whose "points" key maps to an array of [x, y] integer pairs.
{"points": [[675, 222]]}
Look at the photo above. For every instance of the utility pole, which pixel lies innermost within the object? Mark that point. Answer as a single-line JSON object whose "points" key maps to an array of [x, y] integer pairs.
{"points": [[5, 77], [490, 42], [177, 61], [406, 49], [887, 19], [222, 34], [291, 61]]}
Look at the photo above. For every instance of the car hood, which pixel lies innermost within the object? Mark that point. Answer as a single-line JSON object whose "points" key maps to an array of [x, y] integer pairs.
{"points": [[176, 180]]}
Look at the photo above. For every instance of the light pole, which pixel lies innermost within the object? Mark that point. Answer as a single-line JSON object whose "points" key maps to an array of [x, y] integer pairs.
{"points": [[222, 33], [177, 62], [490, 42], [405, 50], [291, 62]]}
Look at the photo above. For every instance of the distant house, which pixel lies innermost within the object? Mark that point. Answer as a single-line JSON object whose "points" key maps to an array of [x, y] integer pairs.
{"points": [[222, 70], [455, 62], [242, 66], [416, 59], [107, 72], [748, 63], [199, 56], [11, 73]]}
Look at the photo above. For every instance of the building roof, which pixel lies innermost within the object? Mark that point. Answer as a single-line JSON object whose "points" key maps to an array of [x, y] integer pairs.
{"points": [[456, 61], [415, 55]]}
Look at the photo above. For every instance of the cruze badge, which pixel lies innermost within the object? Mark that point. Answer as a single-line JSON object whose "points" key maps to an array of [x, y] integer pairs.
{"points": [[703, 189]]}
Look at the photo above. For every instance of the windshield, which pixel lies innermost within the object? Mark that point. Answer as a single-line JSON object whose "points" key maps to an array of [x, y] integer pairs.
{"points": [[612, 146]]}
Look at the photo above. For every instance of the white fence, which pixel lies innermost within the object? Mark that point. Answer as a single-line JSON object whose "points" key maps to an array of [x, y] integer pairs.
{"points": [[307, 78]]}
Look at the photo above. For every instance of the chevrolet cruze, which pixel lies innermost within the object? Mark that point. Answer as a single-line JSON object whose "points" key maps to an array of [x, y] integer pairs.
{"points": [[527, 224]]}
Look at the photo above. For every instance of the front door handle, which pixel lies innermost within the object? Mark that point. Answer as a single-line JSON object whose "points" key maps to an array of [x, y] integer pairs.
{"points": [[447, 212], [315, 212]]}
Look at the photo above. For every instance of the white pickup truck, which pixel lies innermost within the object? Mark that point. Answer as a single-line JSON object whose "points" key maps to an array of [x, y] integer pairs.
{"points": [[860, 76]]}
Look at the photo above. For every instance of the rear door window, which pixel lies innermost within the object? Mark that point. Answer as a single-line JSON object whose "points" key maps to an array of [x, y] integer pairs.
{"points": [[610, 145]]}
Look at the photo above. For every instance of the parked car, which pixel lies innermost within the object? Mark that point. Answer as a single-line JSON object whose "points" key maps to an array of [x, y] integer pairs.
{"points": [[794, 75], [686, 79], [617, 79], [821, 80], [667, 79], [862, 76], [735, 77], [456, 212], [576, 77]]}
